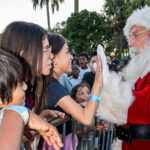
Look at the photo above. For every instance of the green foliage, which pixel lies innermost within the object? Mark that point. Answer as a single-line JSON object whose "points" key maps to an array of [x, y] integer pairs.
{"points": [[85, 30], [117, 12]]}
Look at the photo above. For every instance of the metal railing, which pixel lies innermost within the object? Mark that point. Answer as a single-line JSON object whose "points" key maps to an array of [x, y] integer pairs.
{"points": [[92, 140]]}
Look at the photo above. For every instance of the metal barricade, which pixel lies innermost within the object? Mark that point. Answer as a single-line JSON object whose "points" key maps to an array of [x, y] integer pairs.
{"points": [[92, 140]]}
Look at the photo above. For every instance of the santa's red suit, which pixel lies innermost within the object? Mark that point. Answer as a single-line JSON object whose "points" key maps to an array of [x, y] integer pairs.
{"points": [[139, 111], [128, 102]]}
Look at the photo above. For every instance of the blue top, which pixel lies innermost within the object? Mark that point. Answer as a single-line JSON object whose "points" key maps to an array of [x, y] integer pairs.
{"points": [[55, 92]]}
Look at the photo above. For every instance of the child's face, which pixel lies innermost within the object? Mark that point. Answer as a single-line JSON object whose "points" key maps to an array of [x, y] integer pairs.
{"points": [[62, 61], [82, 94], [18, 94], [92, 61], [75, 70], [83, 61]]}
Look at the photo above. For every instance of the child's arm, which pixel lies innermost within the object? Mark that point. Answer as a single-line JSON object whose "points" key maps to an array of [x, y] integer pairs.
{"points": [[11, 130], [48, 132], [34, 122]]}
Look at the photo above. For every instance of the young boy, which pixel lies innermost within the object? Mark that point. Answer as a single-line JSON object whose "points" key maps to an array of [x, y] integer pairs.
{"points": [[90, 76], [75, 78], [83, 63], [13, 116]]}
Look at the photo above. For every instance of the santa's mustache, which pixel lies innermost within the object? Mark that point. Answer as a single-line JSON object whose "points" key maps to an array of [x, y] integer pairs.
{"points": [[133, 51]]}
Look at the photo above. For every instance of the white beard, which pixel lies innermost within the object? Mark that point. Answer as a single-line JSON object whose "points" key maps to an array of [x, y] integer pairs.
{"points": [[138, 66], [133, 51]]}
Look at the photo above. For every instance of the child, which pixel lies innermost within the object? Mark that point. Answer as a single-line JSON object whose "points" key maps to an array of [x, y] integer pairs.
{"points": [[83, 62], [12, 94], [81, 92], [90, 76], [75, 78]]}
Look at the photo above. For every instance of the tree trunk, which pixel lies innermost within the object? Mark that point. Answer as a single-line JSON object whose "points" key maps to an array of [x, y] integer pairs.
{"points": [[76, 6], [48, 16]]}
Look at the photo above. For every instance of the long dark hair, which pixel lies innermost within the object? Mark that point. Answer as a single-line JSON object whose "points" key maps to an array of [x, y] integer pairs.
{"points": [[11, 73], [57, 42], [28, 37]]}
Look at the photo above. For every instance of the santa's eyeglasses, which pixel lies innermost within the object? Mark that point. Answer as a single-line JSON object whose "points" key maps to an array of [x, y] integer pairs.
{"points": [[135, 34]]}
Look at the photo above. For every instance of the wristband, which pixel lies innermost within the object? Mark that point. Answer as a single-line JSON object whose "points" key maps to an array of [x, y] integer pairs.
{"points": [[94, 98], [23, 111]]}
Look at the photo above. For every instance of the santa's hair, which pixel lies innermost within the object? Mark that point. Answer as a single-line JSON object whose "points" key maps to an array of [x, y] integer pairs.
{"points": [[140, 17]]}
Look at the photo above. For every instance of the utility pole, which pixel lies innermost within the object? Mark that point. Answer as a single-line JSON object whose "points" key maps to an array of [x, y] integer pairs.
{"points": [[76, 6], [48, 16]]}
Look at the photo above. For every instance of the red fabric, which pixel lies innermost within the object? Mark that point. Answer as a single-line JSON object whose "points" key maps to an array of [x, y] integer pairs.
{"points": [[139, 111], [31, 101]]}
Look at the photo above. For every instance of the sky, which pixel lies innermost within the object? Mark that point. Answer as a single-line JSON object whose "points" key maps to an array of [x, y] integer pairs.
{"points": [[22, 10]]}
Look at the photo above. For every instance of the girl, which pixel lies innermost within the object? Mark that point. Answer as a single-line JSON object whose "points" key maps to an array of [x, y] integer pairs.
{"points": [[81, 92], [57, 95]]}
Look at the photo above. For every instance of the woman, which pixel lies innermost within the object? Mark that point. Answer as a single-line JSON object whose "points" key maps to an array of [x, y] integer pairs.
{"points": [[29, 41]]}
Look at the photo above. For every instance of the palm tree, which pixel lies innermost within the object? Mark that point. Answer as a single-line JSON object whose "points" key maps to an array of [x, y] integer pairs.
{"points": [[54, 5]]}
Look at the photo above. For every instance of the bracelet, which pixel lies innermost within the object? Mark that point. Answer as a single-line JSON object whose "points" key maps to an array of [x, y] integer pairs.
{"points": [[23, 111], [94, 98]]}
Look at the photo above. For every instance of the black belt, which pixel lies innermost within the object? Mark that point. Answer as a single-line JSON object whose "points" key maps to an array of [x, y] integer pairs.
{"points": [[135, 131]]}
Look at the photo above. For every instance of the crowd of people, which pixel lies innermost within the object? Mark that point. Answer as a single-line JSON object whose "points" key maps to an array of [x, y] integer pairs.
{"points": [[41, 80]]}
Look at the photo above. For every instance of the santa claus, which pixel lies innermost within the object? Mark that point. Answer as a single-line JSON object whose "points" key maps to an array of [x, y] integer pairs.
{"points": [[127, 102]]}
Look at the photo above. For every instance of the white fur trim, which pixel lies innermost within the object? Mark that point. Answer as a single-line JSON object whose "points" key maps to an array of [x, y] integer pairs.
{"points": [[115, 101], [116, 145], [138, 18]]}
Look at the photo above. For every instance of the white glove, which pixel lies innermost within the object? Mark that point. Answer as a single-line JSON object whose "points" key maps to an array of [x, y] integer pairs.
{"points": [[105, 69]]}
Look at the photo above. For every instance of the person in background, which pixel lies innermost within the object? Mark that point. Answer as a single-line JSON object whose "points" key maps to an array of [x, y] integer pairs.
{"points": [[90, 76], [12, 110], [75, 61], [115, 66], [75, 78], [83, 63], [80, 93], [108, 58]]}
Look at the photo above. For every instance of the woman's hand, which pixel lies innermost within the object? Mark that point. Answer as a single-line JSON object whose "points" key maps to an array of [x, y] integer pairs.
{"points": [[49, 115], [48, 132]]}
